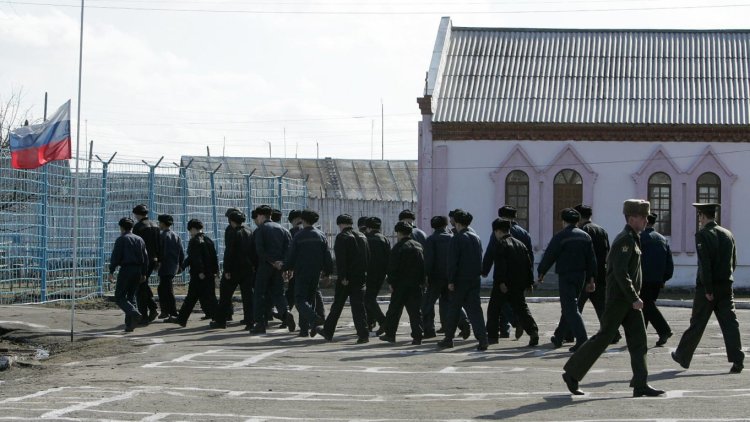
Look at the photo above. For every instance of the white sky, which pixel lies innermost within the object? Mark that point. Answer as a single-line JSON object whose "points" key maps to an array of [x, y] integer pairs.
{"points": [[171, 82]]}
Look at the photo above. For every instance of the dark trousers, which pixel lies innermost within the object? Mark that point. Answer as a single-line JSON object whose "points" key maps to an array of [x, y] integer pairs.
{"points": [[202, 290], [466, 294], [437, 291], [651, 313], [515, 300], [597, 298], [409, 296], [618, 312], [372, 288], [269, 289], [355, 292], [290, 293], [571, 285], [723, 307], [305, 297], [167, 301], [226, 294], [128, 280]]}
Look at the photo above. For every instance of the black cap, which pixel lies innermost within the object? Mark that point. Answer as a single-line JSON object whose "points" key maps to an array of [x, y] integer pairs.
{"points": [[140, 209], [264, 210], [195, 224], [708, 209], [362, 221], [439, 222], [237, 217], [293, 215], [403, 228], [506, 211], [407, 214], [126, 223], [652, 218], [166, 219], [230, 211], [374, 223], [309, 216], [254, 214], [451, 213], [275, 215], [584, 210], [463, 217], [344, 219], [570, 216], [501, 224]]}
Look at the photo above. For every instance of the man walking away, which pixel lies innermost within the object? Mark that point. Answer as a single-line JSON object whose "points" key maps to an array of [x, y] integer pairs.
{"points": [[238, 271], [129, 253], [170, 264], [204, 266], [657, 267], [149, 231], [380, 250]]}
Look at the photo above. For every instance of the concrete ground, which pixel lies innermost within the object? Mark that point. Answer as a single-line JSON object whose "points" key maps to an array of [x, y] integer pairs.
{"points": [[166, 373]]}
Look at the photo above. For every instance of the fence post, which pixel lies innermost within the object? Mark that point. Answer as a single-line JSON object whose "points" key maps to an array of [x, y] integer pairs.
{"points": [[249, 195], [45, 223], [214, 215], [151, 182], [103, 219], [280, 202], [184, 193]]}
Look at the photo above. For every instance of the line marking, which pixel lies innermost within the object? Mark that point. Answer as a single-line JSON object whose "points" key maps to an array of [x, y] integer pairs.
{"points": [[256, 358]]}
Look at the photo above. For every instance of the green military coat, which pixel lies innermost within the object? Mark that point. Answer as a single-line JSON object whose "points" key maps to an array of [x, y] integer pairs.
{"points": [[717, 256], [624, 267]]}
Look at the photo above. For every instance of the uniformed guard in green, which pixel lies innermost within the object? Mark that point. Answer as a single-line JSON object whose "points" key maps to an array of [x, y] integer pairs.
{"points": [[717, 259], [622, 307]]}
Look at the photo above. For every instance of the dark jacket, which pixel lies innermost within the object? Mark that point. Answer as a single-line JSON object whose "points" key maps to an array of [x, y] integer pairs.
{"points": [[570, 250], [624, 267], [149, 231], [380, 250], [717, 256], [294, 230], [406, 265], [517, 232], [436, 255], [129, 251], [271, 242], [600, 242], [309, 253], [201, 256], [238, 251], [172, 253], [419, 235], [465, 257], [657, 266], [512, 264], [352, 255]]}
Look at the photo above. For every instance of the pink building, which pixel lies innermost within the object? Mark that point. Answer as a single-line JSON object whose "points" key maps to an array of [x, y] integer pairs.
{"points": [[545, 119]]}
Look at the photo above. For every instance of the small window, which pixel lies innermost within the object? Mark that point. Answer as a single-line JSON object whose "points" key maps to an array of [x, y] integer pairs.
{"points": [[517, 195], [708, 190], [660, 197]]}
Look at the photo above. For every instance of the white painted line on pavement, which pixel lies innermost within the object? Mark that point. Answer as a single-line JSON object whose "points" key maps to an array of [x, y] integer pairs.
{"points": [[256, 358], [86, 405]]}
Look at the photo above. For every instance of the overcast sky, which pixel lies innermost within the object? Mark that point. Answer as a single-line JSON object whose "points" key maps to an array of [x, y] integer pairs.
{"points": [[236, 75]]}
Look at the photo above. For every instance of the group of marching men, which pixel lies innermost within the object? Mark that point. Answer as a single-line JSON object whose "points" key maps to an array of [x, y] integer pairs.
{"points": [[445, 267]]}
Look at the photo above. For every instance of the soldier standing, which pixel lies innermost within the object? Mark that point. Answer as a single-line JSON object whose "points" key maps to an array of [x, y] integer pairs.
{"points": [[238, 271], [352, 257], [170, 264], [129, 253], [572, 252], [464, 281], [657, 268], [717, 260], [380, 249], [204, 266], [406, 277], [623, 307], [149, 231]]}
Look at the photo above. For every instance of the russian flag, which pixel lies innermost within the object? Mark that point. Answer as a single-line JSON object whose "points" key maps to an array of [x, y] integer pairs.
{"points": [[36, 145]]}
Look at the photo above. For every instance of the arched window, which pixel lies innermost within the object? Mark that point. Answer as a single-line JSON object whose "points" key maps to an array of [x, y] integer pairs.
{"points": [[568, 192], [660, 197], [517, 195], [708, 189]]}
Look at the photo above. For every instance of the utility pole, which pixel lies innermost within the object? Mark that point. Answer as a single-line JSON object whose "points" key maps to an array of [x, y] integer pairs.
{"points": [[208, 151], [224, 148], [284, 141], [372, 138], [317, 150], [270, 155]]}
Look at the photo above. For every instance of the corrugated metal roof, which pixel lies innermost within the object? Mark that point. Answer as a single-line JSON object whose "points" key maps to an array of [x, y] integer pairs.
{"points": [[389, 180], [592, 76]]}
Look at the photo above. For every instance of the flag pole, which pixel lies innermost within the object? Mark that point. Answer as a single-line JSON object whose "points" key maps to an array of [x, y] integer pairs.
{"points": [[77, 187]]}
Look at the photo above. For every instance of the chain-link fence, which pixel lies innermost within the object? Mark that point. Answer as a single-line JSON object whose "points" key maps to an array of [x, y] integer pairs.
{"points": [[37, 215]]}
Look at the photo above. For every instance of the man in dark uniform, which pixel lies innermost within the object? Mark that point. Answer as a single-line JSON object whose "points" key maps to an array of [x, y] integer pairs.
{"points": [[238, 271], [408, 216], [204, 266], [406, 277], [276, 215], [129, 253], [600, 241], [514, 273], [573, 255], [271, 243], [149, 231], [362, 224], [623, 307], [657, 267], [296, 225], [717, 260], [229, 233], [170, 264], [309, 257], [464, 281], [352, 259], [380, 249]]}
